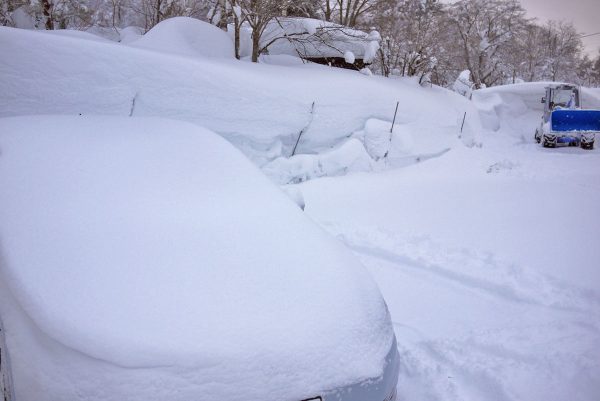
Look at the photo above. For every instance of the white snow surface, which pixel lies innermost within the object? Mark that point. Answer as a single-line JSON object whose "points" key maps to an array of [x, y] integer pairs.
{"points": [[463, 84], [72, 33], [130, 34], [259, 108], [351, 156], [487, 257], [188, 37], [121, 35], [484, 244], [373, 148], [142, 255], [349, 57]]}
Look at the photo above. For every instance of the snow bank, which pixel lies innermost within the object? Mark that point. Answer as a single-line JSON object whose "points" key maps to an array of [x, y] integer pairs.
{"points": [[73, 33], [122, 35], [130, 34], [281, 59], [373, 148], [349, 157], [516, 109], [139, 262], [259, 108], [409, 137], [378, 138], [188, 37]]}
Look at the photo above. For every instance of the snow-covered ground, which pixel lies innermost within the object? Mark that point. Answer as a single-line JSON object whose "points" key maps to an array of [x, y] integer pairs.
{"points": [[488, 259], [484, 244]]}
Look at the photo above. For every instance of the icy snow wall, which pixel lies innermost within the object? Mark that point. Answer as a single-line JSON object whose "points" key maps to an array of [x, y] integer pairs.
{"points": [[516, 109]]}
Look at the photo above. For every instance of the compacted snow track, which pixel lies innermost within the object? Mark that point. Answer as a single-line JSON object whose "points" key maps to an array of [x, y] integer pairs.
{"points": [[492, 297]]}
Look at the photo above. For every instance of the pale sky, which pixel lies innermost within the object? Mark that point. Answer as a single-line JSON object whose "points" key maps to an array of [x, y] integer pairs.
{"points": [[585, 15]]}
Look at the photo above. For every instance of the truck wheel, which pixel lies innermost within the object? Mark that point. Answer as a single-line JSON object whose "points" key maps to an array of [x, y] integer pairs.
{"points": [[547, 144], [587, 146]]}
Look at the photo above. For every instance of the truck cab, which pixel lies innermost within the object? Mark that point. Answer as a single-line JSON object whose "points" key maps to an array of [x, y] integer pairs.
{"points": [[561, 97]]}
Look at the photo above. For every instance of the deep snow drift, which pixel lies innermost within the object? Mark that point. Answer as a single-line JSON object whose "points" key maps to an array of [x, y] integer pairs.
{"points": [[140, 256], [517, 109], [260, 108], [487, 255], [187, 37]]}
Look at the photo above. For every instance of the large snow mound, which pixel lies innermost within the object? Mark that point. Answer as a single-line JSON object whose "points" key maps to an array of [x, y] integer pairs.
{"points": [[140, 256], [73, 33], [373, 148], [260, 108], [517, 108], [187, 37]]}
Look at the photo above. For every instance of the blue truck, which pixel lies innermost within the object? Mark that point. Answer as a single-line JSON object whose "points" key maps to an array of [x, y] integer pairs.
{"points": [[564, 122]]}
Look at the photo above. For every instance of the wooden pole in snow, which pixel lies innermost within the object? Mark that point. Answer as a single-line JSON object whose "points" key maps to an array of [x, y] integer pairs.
{"points": [[392, 129], [394, 120], [312, 111], [133, 105]]}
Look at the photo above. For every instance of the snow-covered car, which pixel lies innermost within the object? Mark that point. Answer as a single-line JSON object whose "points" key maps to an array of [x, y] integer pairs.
{"points": [[147, 259]]}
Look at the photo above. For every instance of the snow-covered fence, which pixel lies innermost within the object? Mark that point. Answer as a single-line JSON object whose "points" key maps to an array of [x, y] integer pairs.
{"points": [[5, 378]]}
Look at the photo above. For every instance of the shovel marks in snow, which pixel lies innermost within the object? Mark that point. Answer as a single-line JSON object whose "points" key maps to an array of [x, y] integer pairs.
{"points": [[549, 362], [514, 334], [478, 271]]}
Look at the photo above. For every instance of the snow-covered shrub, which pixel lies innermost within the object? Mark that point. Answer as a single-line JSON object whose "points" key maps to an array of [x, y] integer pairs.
{"points": [[463, 84]]}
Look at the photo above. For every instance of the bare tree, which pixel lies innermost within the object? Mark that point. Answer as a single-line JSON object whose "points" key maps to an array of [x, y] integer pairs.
{"points": [[304, 8], [258, 14], [527, 53], [62, 14], [411, 31], [238, 19], [7, 8], [153, 12], [595, 74], [585, 71], [346, 12], [483, 28], [562, 48]]}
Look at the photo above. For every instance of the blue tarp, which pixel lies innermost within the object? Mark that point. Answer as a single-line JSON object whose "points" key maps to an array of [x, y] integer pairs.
{"points": [[576, 120]]}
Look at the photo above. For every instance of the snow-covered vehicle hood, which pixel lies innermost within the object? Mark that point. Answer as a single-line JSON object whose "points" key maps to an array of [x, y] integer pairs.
{"points": [[147, 259]]}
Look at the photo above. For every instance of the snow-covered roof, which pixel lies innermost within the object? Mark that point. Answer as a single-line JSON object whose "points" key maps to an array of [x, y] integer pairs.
{"points": [[312, 38], [148, 259]]}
